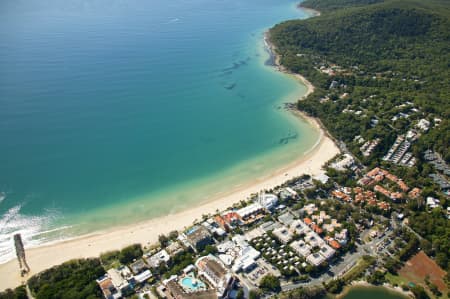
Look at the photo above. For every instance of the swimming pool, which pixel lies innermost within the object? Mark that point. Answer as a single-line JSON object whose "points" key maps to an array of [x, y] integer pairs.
{"points": [[190, 283]]}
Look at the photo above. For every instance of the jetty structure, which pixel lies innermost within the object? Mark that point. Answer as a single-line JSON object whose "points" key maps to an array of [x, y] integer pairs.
{"points": [[20, 252]]}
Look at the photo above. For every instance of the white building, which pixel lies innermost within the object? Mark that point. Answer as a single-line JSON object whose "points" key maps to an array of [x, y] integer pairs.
{"points": [[142, 277], [343, 163], [267, 201], [155, 260], [433, 202], [326, 251], [283, 234], [299, 227], [315, 259], [314, 239], [215, 272], [249, 210], [423, 124], [301, 248]]}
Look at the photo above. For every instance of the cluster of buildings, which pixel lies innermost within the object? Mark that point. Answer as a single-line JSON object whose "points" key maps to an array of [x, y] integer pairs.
{"points": [[368, 147], [238, 254], [441, 177], [423, 124], [346, 162], [360, 196], [120, 282], [376, 176], [304, 236], [207, 279], [399, 152], [330, 70]]}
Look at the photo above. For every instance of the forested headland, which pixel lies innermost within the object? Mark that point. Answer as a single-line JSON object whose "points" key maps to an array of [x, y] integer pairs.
{"points": [[379, 68]]}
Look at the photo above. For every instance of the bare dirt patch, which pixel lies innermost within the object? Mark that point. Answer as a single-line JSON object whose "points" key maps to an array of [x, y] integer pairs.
{"points": [[419, 266]]}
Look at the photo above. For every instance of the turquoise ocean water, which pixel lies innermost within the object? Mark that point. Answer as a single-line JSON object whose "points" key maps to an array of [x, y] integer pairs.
{"points": [[113, 112]]}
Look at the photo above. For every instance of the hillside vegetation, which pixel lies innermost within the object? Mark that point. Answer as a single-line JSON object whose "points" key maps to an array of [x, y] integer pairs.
{"points": [[396, 50], [330, 5], [380, 68]]}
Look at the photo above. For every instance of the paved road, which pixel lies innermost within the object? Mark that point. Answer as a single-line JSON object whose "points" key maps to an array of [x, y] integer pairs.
{"points": [[347, 262]]}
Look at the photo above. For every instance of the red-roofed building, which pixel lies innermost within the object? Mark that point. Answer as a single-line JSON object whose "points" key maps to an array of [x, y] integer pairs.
{"points": [[383, 191], [359, 198], [335, 244], [307, 221], [403, 186], [373, 172], [414, 193], [392, 177], [384, 205], [372, 202], [316, 228], [221, 222], [396, 196], [365, 181], [232, 218], [341, 195], [379, 178]]}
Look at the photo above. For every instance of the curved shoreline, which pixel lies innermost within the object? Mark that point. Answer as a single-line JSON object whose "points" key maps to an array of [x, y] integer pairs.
{"points": [[147, 232]]}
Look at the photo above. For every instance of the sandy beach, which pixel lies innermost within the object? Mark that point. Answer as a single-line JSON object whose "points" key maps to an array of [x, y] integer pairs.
{"points": [[146, 233]]}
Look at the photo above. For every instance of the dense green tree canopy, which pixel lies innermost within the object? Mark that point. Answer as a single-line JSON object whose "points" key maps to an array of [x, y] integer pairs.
{"points": [[74, 279]]}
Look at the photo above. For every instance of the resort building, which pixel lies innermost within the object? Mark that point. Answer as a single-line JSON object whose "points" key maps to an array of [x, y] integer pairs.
{"points": [[414, 193], [143, 276], [326, 251], [267, 201], [198, 237], [342, 236], [107, 287], [245, 254], [314, 240], [309, 209], [433, 202], [345, 162], [423, 124], [341, 195], [138, 266], [283, 234], [114, 284], [249, 210], [174, 248], [238, 254], [229, 220], [315, 259], [155, 260], [216, 274], [286, 218], [332, 242], [301, 248], [187, 287], [214, 228], [299, 227]]}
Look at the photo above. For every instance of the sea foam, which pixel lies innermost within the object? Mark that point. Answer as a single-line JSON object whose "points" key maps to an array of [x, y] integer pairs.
{"points": [[34, 230]]}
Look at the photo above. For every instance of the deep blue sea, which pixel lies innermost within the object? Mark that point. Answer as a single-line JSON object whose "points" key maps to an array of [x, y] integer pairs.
{"points": [[113, 112]]}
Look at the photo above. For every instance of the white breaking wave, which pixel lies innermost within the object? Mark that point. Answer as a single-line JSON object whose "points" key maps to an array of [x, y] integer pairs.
{"points": [[33, 230]]}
